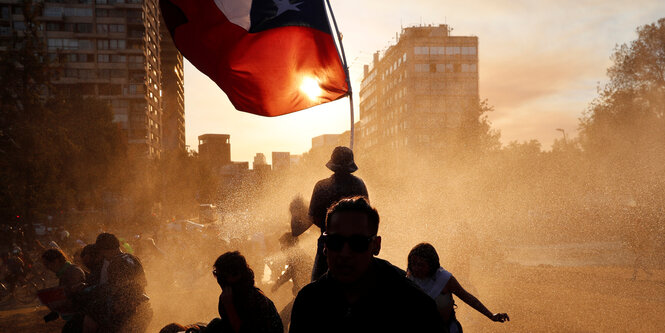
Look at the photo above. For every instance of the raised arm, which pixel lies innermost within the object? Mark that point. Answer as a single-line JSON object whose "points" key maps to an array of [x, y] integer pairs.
{"points": [[454, 287]]}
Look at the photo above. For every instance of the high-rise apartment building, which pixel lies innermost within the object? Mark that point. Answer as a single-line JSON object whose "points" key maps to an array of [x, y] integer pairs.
{"points": [[114, 50], [173, 93], [418, 89]]}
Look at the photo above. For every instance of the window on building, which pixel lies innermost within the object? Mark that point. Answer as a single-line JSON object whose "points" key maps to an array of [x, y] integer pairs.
{"points": [[19, 25], [440, 68], [85, 44], [102, 44], [53, 11], [451, 50], [422, 67], [135, 88], [117, 58], [54, 26], [115, 44], [437, 50], [469, 68], [116, 28], [87, 74], [84, 27], [65, 44], [103, 58], [4, 12], [468, 50], [119, 103], [71, 72], [119, 73], [76, 11], [421, 50]]}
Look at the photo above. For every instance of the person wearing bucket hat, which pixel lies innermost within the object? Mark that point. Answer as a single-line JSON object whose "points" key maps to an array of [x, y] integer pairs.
{"points": [[341, 184]]}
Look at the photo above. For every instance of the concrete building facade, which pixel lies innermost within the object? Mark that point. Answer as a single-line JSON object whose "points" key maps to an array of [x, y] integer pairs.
{"points": [[173, 96], [116, 51], [215, 149], [281, 161], [416, 91]]}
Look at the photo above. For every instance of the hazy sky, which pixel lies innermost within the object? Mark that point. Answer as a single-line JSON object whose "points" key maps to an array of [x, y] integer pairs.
{"points": [[540, 64]]}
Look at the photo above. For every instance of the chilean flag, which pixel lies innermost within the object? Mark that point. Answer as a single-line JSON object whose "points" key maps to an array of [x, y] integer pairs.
{"points": [[271, 57]]}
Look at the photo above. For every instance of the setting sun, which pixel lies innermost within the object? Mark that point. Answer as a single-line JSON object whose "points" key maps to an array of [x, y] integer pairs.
{"points": [[310, 86]]}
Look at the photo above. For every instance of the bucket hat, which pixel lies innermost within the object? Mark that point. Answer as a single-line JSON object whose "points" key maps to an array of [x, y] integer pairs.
{"points": [[341, 160]]}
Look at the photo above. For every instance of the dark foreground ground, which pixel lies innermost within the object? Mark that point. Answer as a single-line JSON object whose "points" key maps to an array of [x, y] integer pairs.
{"points": [[538, 299]]}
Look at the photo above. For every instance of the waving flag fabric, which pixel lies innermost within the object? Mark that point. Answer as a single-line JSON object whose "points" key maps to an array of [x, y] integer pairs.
{"points": [[271, 57]]}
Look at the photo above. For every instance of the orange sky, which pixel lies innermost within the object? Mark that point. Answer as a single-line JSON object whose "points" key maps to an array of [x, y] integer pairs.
{"points": [[539, 62]]}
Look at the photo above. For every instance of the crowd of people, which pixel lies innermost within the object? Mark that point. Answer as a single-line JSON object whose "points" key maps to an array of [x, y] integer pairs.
{"points": [[106, 295], [346, 288], [350, 290]]}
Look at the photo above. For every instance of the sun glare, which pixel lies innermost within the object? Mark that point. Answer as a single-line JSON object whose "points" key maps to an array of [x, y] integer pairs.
{"points": [[310, 86]]}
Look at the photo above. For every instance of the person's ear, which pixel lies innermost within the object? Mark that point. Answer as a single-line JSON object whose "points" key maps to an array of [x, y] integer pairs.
{"points": [[376, 245]]}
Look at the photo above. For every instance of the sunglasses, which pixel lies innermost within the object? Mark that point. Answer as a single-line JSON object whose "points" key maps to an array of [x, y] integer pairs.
{"points": [[357, 243]]}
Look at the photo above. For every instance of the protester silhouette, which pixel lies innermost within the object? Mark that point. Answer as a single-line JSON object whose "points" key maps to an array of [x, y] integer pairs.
{"points": [[71, 278], [341, 184], [242, 307], [424, 269], [119, 302], [298, 266]]}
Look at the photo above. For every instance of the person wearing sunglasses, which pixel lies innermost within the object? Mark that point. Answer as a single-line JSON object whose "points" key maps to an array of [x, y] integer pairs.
{"points": [[359, 292]]}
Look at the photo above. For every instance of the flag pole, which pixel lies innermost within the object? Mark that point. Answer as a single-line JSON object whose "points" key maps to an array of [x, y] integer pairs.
{"points": [[346, 70]]}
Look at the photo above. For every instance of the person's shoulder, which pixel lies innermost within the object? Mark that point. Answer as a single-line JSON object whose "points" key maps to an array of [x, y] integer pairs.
{"points": [[262, 299], [129, 259], [323, 183], [395, 278], [359, 182], [314, 289], [387, 269]]}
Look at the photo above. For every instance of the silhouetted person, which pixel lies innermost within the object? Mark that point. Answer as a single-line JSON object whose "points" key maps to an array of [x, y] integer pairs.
{"points": [[242, 307], [360, 293], [123, 281], [342, 184], [72, 279], [440, 285], [297, 270], [92, 261]]}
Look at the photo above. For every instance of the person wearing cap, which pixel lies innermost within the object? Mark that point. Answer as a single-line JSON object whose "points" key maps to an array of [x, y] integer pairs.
{"points": [[341, 184]]}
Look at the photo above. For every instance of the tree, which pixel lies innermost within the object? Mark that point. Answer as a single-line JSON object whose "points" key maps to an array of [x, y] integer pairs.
{"points": [[57, 148], [476, 133], [28, 141], [628, 116], [623, 130]]}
